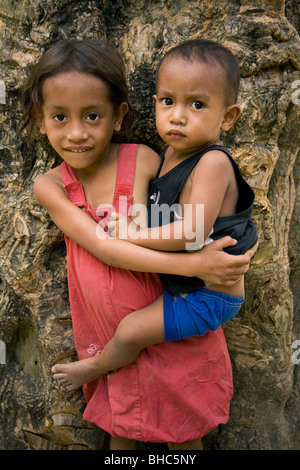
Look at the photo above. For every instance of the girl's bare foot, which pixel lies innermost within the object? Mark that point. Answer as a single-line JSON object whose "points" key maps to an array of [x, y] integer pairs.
{"points": [[73, 375]]}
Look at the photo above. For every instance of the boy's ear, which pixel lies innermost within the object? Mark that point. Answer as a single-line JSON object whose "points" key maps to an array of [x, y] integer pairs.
{"points": [[121, 111], [154, 99], [231, 115]]}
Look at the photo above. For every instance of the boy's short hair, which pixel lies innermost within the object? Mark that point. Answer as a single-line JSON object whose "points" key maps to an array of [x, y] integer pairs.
{"points": [[212, 53]]}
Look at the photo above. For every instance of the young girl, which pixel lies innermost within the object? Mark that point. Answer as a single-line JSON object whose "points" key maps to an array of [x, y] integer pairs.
{"points": [[174, 392]]}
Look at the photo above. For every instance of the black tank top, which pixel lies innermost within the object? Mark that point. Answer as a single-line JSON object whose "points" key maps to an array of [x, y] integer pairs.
{"points": [[164, 208]]}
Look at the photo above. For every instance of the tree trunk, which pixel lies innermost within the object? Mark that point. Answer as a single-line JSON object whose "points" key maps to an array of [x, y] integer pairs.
{"points": [[35, 322]]}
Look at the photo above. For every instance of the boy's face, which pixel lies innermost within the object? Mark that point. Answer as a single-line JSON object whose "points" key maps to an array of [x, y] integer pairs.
{"points": [[190, 104]]}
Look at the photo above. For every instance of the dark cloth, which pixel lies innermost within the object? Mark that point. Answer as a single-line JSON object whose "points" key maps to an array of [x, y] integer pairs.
{"points": [[164, 194]]}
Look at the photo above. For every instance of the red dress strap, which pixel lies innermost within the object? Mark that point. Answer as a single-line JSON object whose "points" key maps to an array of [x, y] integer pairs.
{"points": [[123, 196], [72, 185], [68, 174]]}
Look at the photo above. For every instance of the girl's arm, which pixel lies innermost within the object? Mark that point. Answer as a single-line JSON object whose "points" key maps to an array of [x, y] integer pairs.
{"points": [[211, 263]]}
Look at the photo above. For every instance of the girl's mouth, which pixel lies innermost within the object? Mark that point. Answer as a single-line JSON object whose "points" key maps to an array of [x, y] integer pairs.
{"points": [[77, 149]]}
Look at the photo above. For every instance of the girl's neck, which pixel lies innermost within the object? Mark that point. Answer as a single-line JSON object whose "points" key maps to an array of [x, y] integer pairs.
{"points": [[101, 175]]}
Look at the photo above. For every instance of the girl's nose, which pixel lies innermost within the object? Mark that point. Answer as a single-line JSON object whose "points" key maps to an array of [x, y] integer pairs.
{"points": [[77, 132]]}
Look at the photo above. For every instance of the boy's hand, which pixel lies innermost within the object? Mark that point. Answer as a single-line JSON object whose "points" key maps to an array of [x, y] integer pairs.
{"points": [[118, 222], [121, 227]]}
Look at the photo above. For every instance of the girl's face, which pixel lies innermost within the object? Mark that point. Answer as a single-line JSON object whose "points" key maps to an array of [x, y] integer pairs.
{"points": [[79, 118]]}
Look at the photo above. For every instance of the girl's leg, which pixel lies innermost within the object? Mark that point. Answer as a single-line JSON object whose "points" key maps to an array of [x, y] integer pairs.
{"points": [[195, 444], [120, 443], [135, 332]]}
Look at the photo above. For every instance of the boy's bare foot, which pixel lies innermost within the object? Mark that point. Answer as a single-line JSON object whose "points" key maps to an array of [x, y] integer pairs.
{"points": [[74, 374]]}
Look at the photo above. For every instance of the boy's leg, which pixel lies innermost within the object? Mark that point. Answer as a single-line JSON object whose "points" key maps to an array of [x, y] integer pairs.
{"points": [[135, 332]]}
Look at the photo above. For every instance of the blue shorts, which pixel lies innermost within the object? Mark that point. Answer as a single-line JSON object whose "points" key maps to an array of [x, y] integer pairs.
{"points": [[197, 313]]}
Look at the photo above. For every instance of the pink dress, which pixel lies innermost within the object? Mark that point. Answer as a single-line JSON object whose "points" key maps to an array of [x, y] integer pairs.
{"points": [[175, 391]]}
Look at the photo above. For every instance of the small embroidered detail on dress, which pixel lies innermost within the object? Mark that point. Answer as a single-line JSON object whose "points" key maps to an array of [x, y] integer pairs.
{"points": [[94, 349]]}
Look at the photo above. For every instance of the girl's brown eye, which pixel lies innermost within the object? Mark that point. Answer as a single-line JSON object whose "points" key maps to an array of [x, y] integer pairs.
{"points": [[59, 117], [93, 116]]}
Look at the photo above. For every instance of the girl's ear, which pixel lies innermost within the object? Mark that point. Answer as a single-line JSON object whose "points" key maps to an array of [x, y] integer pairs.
{"points": [[121, 111], [231, 115], [42, 128], [38, 115]]}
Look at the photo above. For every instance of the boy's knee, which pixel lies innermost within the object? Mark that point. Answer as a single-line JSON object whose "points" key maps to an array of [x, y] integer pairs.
{"points": [[126, 334]]}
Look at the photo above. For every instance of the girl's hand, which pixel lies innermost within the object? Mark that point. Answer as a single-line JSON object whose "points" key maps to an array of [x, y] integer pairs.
{"points": [[218, 266]]}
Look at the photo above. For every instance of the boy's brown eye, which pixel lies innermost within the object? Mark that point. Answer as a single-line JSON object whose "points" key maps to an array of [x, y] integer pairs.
{"points": [[167, 101], [197, 105]]}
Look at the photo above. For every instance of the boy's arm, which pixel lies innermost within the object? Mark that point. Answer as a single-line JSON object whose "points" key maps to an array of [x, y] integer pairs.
{"points": [[211, 263], [211, 178]]}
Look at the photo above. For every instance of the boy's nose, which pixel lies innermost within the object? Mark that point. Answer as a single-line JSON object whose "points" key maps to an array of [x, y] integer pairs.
{"points": [[77, 132], [178, 115]]}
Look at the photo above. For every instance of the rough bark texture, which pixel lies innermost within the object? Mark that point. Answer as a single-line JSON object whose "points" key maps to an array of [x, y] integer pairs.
{"points": [[35, 324]]}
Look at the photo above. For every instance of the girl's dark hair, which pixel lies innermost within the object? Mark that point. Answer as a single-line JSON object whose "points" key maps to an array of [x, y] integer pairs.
{"points": [[99, 59], [212, 53]]}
